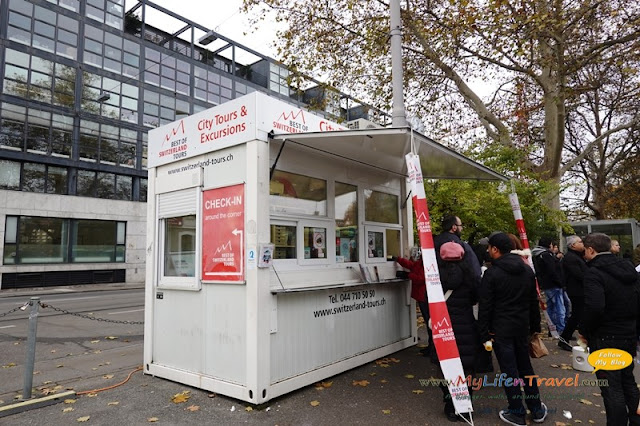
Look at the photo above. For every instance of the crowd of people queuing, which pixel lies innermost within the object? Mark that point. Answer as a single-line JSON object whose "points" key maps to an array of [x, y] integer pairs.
{"points": [[494, 292]]}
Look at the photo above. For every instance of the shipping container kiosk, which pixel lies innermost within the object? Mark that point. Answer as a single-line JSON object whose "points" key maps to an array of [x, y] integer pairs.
{"points": [[269, 233]]}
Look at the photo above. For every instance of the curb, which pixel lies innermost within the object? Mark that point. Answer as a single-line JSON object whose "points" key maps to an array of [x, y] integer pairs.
{"points": [[31, 404]]}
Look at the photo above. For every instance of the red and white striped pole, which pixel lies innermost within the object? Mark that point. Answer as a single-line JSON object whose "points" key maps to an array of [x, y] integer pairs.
{"points": [[517, 214], [443, 337]]}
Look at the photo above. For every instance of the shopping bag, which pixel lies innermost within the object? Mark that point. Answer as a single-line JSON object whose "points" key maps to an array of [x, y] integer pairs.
{"points": [[537, 349]]}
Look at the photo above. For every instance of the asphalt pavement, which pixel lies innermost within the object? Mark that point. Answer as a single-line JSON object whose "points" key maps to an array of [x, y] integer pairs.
{"points": [[389, 391]]}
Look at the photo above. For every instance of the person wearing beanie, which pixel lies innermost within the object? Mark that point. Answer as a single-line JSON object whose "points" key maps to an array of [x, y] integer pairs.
{"points": [[573, 268], [460, 295], [509, 312]]}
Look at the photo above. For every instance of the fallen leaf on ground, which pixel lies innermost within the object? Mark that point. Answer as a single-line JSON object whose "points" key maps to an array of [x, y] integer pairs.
{"points": [[46, 382], [326, 384], [83, 419], [417, 391], [362, 383], [386, 411], [586, 402], [95, 341], [561, 424], [409, 376], [373, 374], [152, 419], [383, 381], [592, 422], [68, 410], [35, 373], [314, 403], [70, 401], [92, 395], [113, 403], [111, 337], [212, 395], [577, 421], [11, 364], [59, 366], [596, 394], [248, 409], [53, 351], [108, 376], [181, 397], [197, 407], [555, 365]]}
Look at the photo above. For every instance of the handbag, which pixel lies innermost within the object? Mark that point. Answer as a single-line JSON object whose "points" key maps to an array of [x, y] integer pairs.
{"points": [[537, 349]]}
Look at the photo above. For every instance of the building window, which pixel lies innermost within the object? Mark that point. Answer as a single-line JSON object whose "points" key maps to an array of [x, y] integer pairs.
{"points": [[380, 207], [315, 243], [30, 240], [180, 246], [9, 174], [346, 210], [284, 239], [292, 193]]}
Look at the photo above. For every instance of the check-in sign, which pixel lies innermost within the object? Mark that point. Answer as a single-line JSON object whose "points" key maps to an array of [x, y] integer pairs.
{"points": [[223, 234]]}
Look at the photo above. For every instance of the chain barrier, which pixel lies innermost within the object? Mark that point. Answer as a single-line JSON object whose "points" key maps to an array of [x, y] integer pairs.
{"points": [[89, 317], [19, 308]]}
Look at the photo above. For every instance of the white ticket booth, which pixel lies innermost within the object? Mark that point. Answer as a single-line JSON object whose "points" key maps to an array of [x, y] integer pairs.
{"points": [[269, 236]]}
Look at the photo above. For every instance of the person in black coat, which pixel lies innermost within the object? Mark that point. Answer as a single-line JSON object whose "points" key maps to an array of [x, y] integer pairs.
{"points": [[573, 270], [458, 282], [509, 312], [611, 319]]}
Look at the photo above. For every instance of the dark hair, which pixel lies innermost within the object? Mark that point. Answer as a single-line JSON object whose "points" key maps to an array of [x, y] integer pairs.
{"points": [[502, 242], [545, 242], [598, 241], [448, 222]]}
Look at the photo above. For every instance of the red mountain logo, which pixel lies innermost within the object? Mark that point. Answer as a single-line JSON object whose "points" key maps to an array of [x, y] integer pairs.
{"points": [[293, 116], [179, 129]]}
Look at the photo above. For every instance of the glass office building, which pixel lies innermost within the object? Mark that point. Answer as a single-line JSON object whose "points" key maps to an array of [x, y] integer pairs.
{"points": [[82, 83]]}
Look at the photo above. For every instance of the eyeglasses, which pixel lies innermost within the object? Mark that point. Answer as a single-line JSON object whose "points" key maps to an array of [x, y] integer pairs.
{"points": [[458, 224]]}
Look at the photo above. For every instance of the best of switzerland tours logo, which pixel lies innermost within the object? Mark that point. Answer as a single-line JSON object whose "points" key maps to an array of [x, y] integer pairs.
{"points": [[178, 143]]}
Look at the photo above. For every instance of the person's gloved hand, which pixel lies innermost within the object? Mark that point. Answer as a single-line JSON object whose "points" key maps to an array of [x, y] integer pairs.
{"points": [[394, 258]]}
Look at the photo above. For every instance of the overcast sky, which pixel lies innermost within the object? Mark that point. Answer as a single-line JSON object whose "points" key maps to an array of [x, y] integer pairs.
{"points": [[223, 16]]}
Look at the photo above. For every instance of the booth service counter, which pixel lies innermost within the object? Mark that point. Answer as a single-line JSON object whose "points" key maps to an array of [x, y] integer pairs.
{"points": [[269, 233]]}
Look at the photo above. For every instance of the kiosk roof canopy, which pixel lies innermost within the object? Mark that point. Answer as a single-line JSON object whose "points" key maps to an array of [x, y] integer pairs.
{"points": [[385, 149]]}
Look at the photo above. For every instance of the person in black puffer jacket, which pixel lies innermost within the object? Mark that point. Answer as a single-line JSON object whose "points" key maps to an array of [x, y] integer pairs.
{"points": [[508, 310], [611, 319], [456, 277]]}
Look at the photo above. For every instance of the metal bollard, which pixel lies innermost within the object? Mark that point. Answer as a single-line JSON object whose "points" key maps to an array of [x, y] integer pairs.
{"points": [[31, 348]]}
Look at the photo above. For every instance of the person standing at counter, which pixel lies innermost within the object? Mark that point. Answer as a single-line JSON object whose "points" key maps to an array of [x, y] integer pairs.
{"points": [[418, 286]]}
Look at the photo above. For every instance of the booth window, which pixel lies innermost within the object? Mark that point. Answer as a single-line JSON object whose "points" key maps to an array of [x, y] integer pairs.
{"points": [[375, 244], [380, 207], [346, 208], [297, 194], [284, 239], [180, 246], [32, 240], [315, 243]]}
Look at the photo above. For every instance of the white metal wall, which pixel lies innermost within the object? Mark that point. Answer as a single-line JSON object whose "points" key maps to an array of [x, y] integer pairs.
{"points": [[306, 340]]}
